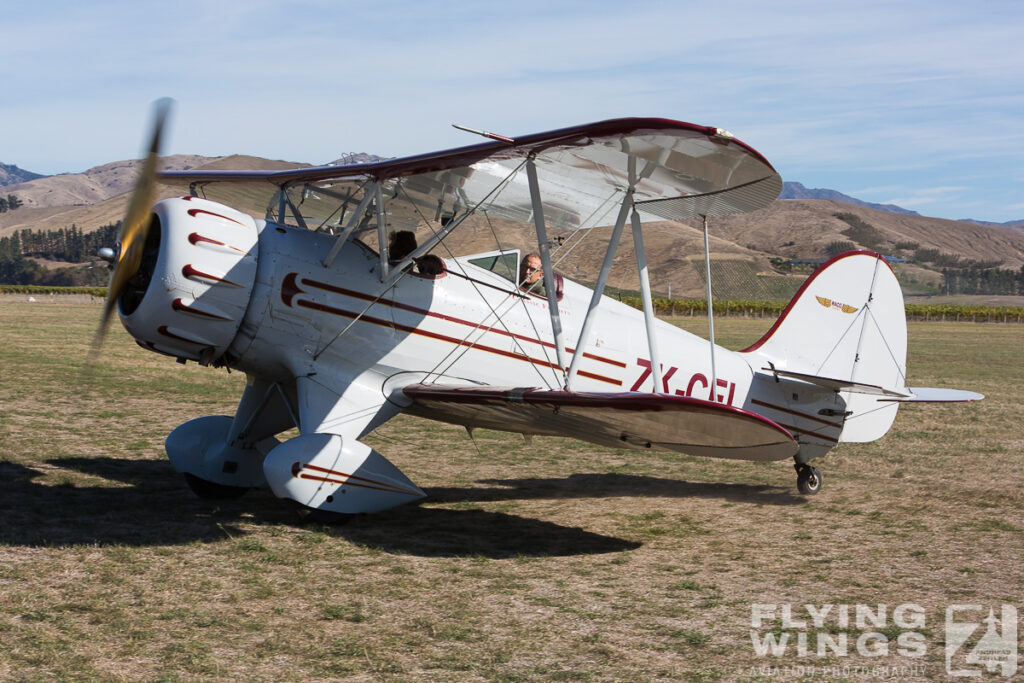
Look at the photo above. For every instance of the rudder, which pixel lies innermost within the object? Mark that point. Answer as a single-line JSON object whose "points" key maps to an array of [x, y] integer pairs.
{"points": [[846, 322]]}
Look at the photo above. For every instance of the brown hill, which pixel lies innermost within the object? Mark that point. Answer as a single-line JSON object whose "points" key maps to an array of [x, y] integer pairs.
{"points": [[741, 245], [243, 162], [99, 196], [803, 228], [675, 253], [94, 185]]}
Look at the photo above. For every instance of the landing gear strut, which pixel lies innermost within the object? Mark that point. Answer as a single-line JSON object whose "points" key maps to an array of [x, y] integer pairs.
{"points": [[808, 479]]}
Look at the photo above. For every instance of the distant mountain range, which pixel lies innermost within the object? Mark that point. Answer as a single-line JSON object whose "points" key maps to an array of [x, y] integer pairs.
{"points": [[12, 175], [798, 191], [1007, 224]]}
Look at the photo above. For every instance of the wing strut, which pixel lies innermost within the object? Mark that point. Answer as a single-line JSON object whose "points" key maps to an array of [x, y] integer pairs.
{"points": [[353, 222], [627, 207], [382, 232], [602, 279], [645, 293], [545, 259], [286, 200], [711, 307]]}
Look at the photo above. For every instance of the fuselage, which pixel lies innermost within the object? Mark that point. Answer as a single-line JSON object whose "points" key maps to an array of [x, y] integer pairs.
{"points": [[468, 324]]}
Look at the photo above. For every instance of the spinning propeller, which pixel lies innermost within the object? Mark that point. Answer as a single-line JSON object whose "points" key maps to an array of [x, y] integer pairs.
{"points": [[135, 227]]}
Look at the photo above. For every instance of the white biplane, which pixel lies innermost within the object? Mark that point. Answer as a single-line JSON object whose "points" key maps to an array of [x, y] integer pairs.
{"points": [[339, 328]]}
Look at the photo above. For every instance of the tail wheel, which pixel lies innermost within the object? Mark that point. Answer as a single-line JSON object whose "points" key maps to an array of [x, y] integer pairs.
{"points": [[808, 480]]}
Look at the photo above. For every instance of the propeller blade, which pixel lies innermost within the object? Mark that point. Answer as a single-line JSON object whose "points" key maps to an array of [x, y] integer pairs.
{"points": [[135, 225]]}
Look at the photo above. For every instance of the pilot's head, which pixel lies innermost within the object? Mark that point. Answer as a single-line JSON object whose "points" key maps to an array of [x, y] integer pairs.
{"points": [[530, 271]]}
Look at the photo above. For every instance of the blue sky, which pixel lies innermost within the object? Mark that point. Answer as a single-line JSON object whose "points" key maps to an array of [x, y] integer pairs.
{"points": [[917, 103]]}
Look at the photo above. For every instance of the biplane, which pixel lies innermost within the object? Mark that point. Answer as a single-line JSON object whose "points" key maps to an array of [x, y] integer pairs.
{"points": [[339, 326]]}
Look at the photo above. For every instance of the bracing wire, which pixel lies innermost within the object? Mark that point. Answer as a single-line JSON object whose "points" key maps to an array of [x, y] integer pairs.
{"points": [[481, 329]]}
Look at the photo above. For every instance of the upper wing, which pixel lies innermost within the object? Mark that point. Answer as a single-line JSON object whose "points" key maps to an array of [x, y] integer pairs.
{"points": [[681, 170], [622, 420]]}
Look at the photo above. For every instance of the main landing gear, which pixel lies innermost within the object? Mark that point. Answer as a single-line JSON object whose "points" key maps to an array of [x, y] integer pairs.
{"points": [[808, 479]]}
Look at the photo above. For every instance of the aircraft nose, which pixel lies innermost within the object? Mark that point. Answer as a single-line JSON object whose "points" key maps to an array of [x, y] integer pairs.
{"points": [[193, 287]]}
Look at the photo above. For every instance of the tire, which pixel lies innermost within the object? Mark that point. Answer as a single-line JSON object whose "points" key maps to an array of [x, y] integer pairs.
{"points": [[808, 480]]}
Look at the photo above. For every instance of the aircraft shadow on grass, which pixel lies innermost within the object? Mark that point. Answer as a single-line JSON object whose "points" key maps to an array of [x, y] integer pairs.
{"points": [[150, 509], [607, 485], [424, 530]]}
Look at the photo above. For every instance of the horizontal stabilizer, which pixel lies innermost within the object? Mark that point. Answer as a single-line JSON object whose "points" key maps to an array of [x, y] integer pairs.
{"points": [[618, 420], [932, 395], [848, 385]]}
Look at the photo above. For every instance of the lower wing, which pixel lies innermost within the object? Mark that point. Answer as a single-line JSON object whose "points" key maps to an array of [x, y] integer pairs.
{"points": [[619, 420]]}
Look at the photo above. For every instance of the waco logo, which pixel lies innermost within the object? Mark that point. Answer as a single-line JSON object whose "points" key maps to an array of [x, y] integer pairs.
{"points": [[829, 303]]}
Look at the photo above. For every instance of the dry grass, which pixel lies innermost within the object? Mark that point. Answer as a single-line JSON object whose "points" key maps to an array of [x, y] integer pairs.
{"points": [[546, 561]]}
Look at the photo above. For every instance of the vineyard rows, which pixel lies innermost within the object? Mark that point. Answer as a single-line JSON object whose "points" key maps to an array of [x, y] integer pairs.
{"points": [[773, 309], [687, 307]]}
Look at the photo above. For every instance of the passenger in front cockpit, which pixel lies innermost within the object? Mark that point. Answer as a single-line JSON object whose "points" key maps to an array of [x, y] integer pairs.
{"points": [[401, 244]]}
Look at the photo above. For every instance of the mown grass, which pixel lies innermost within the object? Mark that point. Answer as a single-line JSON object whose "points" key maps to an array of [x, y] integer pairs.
{"points": [[550, 560]]}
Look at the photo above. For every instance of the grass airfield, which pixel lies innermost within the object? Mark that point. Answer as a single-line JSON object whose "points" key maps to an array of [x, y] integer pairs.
{"points": [[549, 560]]}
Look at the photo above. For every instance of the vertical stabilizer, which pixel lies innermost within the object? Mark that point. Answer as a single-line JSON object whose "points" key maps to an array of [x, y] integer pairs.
{"points": [[847, 322]]}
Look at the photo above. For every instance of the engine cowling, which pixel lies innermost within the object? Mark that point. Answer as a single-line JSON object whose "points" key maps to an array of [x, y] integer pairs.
{"points": [[193, 287]]}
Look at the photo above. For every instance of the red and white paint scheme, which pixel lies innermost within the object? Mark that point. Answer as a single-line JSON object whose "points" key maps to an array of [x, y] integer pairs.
{"points": [[337, 336]]}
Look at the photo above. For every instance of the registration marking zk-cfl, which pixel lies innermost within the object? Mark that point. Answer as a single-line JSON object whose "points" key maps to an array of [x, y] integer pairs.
{"points": [[697, 378]]}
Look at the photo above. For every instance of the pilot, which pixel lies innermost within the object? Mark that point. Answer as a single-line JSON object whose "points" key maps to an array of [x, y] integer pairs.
{"points": [[531, 275]]}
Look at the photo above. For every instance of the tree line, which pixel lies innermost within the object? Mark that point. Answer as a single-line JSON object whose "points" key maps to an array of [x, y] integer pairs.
{"points": [[66, 244], [10, 203], [975, 280], [959, 276]]}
